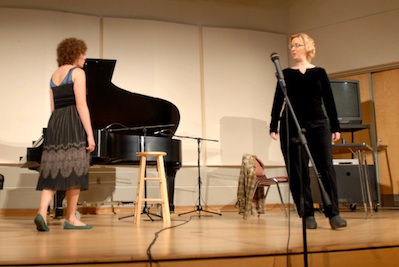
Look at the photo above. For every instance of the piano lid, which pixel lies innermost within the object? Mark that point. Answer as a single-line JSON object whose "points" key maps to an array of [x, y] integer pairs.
{"points": [[113, 107]]}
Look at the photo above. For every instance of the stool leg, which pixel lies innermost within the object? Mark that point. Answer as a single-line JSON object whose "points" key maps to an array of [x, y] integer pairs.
{"points": [[163, 190], [140, 189]]}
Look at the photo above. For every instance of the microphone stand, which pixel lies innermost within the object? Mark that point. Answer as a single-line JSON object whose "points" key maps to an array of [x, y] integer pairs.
{"points": [[199, 208], [303, 142]]}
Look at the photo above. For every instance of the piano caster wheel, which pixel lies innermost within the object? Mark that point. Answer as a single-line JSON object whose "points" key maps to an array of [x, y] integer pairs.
{"points": [[352, 206]]}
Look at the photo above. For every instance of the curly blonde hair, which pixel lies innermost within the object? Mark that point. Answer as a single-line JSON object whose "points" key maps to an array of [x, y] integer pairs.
{"points": [[309, 44], [69, 50]]}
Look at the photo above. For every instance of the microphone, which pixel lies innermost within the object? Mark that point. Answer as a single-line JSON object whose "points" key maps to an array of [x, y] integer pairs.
{"points": [[164, 132], [276, 60], [159, 132]]}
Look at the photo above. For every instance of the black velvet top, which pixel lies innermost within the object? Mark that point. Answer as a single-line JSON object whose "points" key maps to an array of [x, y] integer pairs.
{"points": [[307, 92]]}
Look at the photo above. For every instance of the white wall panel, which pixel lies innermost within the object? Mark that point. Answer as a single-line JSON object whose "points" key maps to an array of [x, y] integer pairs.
{"points": [[239, 86], [359, 43], [29, 42]]}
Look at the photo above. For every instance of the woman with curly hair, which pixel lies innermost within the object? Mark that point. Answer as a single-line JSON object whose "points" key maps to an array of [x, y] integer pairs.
{"points": [[69, 138]]}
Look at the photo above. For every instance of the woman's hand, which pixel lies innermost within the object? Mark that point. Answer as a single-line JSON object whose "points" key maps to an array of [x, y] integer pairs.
{"points": [[274, 135], [91, 144], [336, 136]]}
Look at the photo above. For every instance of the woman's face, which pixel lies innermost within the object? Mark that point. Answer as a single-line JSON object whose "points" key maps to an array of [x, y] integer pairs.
{"points": [[80, 62], [298, 50]]}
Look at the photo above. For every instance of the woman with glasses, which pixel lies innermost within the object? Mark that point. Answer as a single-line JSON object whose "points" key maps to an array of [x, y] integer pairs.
{"points": [[308, 89]]}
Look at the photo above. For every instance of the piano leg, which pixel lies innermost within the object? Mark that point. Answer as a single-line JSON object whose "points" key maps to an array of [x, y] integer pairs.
{"points": [[1, 181], [170, 176], [58, 208]]}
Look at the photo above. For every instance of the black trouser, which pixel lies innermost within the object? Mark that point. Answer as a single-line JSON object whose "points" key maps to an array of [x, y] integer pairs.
{"points": [[318, 137]]}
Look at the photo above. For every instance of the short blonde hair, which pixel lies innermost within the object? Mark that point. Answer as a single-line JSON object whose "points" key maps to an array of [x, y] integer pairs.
{"points": [[309, 44]]}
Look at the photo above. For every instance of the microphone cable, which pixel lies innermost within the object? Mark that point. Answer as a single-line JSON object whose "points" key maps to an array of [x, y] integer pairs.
{"points": [[149, 255]]}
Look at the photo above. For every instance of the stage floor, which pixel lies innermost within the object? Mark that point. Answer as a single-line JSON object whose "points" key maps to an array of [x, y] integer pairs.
{"points": [[271, 240]]}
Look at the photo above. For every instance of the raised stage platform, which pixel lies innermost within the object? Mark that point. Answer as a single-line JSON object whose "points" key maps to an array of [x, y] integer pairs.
{"points": [[227, 240]]}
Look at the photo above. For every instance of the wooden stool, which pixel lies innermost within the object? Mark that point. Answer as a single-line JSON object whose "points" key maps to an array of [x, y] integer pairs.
{"points": [[162, 186]]}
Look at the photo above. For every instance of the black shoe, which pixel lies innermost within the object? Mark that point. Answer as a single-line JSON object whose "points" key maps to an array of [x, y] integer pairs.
{"points": [[311, 222], [337, 222]]}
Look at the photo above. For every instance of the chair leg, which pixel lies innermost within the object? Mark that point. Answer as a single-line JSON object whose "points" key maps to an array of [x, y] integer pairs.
{"points": [[281, 198]]}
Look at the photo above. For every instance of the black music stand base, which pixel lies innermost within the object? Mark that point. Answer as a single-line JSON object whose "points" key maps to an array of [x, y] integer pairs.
{"points": [[199, 207], [146, 211], [199, 210]]}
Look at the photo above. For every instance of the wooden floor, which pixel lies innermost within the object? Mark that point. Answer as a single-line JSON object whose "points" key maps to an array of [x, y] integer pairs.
{"points": [[227, 240]]}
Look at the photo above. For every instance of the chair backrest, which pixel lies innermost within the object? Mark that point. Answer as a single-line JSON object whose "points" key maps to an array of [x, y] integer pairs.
{"points": [[259, 171], [261, 175]]}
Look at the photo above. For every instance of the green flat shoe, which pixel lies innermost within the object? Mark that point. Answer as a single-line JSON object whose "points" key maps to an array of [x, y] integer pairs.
{"points": [[69, 226], [41, 226]]}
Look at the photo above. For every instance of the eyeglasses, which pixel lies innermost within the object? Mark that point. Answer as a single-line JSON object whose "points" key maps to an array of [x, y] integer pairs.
{"points": [[295, 45]]}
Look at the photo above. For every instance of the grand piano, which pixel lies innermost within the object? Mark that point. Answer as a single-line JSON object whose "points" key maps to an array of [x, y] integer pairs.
{"points": [[125, 123]]}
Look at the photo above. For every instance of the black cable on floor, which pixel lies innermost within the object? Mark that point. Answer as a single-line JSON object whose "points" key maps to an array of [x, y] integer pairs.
{"points": [[150, 259]]}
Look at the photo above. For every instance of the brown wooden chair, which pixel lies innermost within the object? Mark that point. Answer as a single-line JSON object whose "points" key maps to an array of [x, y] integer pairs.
{"points": [[264, 181]]}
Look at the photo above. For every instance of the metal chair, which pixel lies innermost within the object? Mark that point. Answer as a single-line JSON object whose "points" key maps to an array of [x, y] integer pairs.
{"points": [[263, 181]]}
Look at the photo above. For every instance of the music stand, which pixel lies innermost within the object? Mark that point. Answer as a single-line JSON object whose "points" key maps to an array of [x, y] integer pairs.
{"points": [[199, 208], [146, 209]]}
